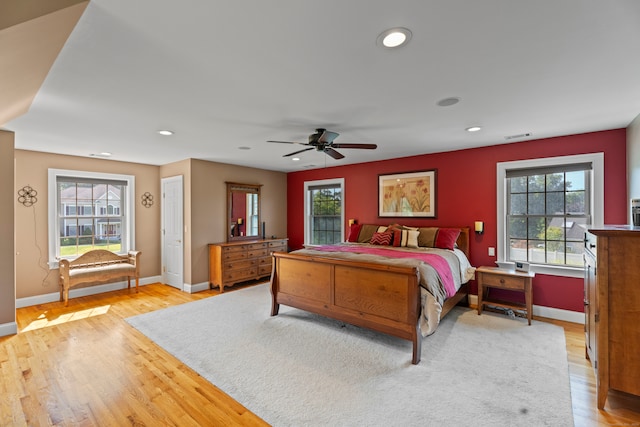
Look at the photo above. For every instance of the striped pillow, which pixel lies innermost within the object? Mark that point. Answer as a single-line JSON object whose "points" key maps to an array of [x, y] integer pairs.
{"points": [[381, 238]]}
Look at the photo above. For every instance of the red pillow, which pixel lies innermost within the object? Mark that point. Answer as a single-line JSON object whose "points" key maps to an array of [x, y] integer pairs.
{"points": [[446, 238], [381, 238], [354, 232], [397, 238]]}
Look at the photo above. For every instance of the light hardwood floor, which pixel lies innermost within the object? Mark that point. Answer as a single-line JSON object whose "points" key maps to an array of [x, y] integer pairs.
{"points": [[84, 365]]}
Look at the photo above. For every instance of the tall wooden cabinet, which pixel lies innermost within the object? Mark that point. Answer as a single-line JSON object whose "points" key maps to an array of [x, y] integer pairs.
{"points": [[612, 308], [240, 261]]}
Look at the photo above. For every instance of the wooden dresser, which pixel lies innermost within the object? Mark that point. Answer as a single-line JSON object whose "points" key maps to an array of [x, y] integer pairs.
{"points": [[612, 308], [240, 261]]}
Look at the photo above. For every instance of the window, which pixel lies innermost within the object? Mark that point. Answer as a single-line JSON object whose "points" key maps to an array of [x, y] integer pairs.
{"points": [[89, 211], [547, 205], [324, 203]]}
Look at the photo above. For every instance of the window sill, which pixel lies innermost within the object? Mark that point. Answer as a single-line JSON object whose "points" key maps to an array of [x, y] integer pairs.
{"points": [[553, 270]]}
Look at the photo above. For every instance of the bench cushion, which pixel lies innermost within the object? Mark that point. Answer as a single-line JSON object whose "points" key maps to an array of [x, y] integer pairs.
{"points": [[110, 269]]}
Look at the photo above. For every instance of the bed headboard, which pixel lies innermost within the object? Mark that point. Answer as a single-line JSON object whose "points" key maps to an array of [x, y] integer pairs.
{"points": [[463, 240], [364, 232]]}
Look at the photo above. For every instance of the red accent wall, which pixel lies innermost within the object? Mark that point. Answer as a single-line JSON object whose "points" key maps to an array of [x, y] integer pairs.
{"points": [[466, 192]]}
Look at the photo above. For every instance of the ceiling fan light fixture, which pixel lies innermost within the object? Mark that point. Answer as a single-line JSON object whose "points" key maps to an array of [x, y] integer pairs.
{"points": [[394, 38]]}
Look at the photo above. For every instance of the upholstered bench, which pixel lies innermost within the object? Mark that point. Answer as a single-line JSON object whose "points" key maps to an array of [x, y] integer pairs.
{"points": [[98, 265]]}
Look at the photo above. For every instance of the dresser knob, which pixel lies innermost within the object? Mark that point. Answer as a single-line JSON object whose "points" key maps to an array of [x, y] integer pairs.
{"points": [[502, 281]]}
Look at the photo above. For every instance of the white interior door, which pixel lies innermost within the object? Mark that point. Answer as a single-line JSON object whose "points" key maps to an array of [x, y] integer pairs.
{"points": [[172, 232]]}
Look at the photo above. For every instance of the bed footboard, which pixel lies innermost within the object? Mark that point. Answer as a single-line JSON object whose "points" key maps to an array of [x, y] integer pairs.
{"points": [[383, 298]]}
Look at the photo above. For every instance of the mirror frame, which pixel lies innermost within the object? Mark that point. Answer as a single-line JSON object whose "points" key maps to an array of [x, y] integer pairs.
{"points": [[237, 187]]}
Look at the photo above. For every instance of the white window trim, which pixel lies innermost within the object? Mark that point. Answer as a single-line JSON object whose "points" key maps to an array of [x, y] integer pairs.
{"points": [[128, 240], [596, 197], [307, 206]]}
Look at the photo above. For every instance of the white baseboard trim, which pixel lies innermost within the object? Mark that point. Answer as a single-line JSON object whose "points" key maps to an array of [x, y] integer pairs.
{"points": [[82, 292], [198, 287], [548, 312], [7, 329]]}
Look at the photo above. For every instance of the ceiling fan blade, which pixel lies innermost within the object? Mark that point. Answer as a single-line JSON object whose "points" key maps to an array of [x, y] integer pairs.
{"points": [[300, 151], [333, 153], [327, 137], [365, 146], [288, 142]]}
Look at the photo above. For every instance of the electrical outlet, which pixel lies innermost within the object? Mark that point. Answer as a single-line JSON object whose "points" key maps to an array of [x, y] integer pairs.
{"points": [[492, 251]]}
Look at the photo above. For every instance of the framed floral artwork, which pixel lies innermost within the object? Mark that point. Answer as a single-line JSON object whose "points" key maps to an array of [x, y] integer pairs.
{"points": [[411, 194]]}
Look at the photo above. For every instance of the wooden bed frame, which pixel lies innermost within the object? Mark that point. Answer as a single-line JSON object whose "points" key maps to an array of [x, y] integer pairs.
{"points": [[383, 298]]}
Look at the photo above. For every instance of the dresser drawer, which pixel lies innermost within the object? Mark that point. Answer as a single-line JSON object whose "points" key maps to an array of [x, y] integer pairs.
{"points": [[256, 246], [233, 248], [264, 270], [239, 264], [277, 249], [265, 260], [228, 256], [277, 244], [238, 275], [254, 253], [502, 281]]}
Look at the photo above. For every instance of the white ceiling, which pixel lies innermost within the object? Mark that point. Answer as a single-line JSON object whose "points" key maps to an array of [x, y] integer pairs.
{"points": [[231, 74]]}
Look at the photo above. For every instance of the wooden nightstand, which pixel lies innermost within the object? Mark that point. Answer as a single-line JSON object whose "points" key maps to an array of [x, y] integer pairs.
{"points": [[494, 277]]}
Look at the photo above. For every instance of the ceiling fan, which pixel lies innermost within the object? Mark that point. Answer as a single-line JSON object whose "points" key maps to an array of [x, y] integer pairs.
{"points": [[322, 140]]}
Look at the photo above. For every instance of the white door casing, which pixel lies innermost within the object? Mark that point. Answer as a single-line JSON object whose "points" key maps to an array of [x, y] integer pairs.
{"points": [[172, 232]]}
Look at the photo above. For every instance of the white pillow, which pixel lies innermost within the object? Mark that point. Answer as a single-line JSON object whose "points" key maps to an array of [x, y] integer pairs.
{"points": [[382, 229], [412, 241]]}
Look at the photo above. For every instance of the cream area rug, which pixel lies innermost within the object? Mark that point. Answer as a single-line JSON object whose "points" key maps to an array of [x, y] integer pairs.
{"points": [[300, 369]]}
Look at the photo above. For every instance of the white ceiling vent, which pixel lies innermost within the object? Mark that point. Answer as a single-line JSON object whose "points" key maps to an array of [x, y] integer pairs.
{"points": [[522, 135]]}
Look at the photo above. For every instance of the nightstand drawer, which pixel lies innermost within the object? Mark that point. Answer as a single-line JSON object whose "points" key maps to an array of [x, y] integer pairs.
{"points": [[504, 282]]}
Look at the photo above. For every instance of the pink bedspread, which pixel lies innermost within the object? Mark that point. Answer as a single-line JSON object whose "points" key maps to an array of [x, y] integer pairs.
{"points": [[436, 261]]}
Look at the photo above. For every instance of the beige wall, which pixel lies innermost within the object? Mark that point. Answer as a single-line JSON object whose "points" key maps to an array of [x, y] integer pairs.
{"points": [[33, 276], [204, 212], [209, 207], [7, 248]]}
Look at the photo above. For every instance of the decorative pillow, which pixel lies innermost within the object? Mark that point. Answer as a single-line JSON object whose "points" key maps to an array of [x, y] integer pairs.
{"points": [[382, 229], [366, 232], [399, 238], [427, 237], [412, 239], [354, 232], [381, 239], [446, 238]]}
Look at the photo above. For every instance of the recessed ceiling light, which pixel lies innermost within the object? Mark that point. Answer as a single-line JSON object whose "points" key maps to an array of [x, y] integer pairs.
{"points": [[165, 132], [394, 37], [103, 154], [244, 148], [448, 101], [473, 129], [295, 159]]}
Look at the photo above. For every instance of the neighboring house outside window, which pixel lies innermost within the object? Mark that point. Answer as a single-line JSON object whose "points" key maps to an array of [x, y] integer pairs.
{"points": [[324, 212], [545, 206], [89, 211]]}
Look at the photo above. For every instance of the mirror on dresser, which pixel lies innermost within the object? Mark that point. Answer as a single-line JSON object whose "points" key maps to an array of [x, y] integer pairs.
{"points": [[243, 211]]}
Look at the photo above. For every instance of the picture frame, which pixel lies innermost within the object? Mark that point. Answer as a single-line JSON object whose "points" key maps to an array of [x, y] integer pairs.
{"points": [[408, 194]]}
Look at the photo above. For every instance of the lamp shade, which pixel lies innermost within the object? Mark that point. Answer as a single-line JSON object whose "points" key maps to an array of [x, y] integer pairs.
{"points": [[479, 227]]}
